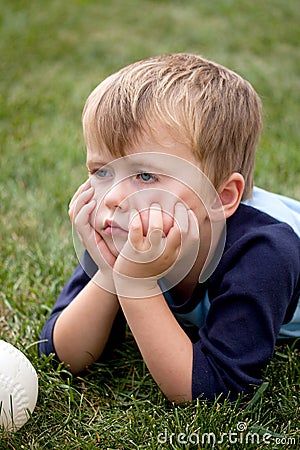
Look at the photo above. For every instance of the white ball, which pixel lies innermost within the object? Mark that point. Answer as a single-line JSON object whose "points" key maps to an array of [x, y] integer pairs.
{"points": [[18, 387]]}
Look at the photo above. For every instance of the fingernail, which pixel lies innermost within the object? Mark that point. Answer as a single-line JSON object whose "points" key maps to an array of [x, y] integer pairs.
{"points": [[179, 205], [155, 206]]}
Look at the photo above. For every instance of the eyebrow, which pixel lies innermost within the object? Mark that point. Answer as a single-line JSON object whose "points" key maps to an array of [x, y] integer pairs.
{"points": [[150, 161], [95, 164], [147, 166]]}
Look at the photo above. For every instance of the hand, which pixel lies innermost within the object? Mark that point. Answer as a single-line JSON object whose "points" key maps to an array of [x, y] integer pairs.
{"points": [[145, 259], [80, 209]]}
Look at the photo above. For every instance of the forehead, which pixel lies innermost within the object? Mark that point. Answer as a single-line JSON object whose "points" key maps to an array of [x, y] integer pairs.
{"points": [[149, 145]]}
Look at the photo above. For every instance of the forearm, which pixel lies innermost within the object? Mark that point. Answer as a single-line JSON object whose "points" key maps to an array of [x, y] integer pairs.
{"points": [[83, 328], [166, 349]]}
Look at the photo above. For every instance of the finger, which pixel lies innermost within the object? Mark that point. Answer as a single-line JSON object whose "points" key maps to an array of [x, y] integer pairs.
{"points": [[190, 241], [193, 230], [181, 217], [83, 187], [81, 220], [155, 232], [179, 228], [135, 234], [83, 198], [80, 201], [173, 240]]}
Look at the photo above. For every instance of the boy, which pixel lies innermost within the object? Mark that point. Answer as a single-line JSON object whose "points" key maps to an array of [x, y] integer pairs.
{"points": [[203, 268]]}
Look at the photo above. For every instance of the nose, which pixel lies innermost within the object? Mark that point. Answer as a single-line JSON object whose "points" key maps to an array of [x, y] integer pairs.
{"points": [[117, 196]]}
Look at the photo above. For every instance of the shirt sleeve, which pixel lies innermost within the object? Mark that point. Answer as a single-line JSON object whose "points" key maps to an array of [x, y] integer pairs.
{"points": [[81, 276], [251, 296], [75, 284]]}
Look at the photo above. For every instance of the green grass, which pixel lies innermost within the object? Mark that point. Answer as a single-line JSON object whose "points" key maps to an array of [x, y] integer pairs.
{"points": [[52, 54]]}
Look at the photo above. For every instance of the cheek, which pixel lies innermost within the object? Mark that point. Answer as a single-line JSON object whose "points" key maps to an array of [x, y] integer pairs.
{"points": [[99, 196], [94, 217], [97, 215], [167, 221]]}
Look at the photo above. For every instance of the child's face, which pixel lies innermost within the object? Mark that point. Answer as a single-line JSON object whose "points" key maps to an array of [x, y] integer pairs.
{"points": [[156, 170]]}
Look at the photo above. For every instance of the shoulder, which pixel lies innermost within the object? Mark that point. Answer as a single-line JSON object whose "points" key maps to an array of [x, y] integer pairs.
{"points": [[276, 207], [259, 246], [265, 220]]}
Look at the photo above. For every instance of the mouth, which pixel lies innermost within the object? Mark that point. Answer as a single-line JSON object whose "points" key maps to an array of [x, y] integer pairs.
{"points": [[112, 228]]}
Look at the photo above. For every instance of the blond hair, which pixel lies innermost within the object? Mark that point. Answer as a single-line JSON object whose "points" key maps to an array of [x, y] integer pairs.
{"points": [[208, 107]]}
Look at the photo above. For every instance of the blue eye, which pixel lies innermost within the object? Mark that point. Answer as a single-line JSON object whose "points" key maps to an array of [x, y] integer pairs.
{"points": [[147, 177], [103, 173]]}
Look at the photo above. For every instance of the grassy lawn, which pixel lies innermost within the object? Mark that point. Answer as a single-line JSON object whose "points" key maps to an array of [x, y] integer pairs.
{"points": [[52, 54]]}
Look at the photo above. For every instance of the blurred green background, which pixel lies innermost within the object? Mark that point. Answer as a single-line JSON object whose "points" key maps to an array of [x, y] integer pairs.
{"points": [[52, 54]]}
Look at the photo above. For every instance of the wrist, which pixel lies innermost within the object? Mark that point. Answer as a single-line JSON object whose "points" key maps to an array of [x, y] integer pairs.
{"points": [[104, 281], [131, 287]]}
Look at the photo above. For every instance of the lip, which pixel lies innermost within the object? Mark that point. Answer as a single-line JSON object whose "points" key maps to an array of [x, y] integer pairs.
{"points": [[112, 228]]}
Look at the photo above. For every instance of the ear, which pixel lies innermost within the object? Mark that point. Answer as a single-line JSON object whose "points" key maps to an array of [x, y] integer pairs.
{"points": [[231, 192]]}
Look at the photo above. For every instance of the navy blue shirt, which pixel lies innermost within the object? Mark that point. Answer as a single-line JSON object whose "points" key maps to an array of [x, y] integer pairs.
{"points": [[235, 317]]}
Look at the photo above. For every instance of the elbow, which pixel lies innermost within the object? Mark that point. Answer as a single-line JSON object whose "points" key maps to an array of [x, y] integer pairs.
{"points": [[178, 393], [178, 398], [76, 366]]}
